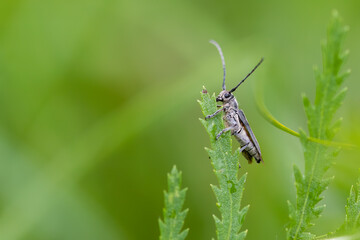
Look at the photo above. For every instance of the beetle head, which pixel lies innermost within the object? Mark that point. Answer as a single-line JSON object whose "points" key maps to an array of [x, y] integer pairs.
{"points": [[224, 96]]}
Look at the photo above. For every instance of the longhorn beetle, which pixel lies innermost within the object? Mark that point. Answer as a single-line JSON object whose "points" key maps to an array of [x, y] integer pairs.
{"points": [[235, 120]]}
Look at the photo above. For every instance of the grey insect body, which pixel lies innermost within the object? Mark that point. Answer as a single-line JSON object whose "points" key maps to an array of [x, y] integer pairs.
{"points": [[234, 118]]}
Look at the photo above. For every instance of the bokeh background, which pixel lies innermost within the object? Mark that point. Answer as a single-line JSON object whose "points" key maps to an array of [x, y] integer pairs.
{"points": [[98, 102]]}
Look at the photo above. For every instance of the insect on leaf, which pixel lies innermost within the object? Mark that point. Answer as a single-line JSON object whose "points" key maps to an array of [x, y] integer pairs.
{"points": [[226, 165]]}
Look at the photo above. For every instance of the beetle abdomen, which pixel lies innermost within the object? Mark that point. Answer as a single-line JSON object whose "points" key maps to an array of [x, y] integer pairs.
{"points": [[250, 150]]}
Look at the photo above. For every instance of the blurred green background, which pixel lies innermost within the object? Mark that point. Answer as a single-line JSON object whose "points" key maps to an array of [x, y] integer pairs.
{"points": [[98, 102]]}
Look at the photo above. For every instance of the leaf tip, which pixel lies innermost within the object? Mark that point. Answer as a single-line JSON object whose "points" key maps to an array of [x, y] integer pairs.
{"points": [[204, 91]]}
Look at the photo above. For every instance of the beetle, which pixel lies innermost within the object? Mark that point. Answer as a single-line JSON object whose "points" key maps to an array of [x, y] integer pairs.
{"points": [[234, 118]]}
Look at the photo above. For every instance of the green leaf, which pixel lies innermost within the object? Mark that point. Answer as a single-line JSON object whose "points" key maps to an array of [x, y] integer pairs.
{"points": [[352, 208], [170, 228], [226, 165], [351, 225], [318, 157]]}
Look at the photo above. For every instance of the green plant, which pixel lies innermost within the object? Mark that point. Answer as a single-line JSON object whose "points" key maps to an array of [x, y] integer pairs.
{"points": [[174, 218], [352, 209], [318, 157], [228, 193], [318, 146]]}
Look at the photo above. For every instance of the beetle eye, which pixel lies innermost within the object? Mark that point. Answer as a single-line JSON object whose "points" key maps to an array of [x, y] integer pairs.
{"points": [[227, 95]]}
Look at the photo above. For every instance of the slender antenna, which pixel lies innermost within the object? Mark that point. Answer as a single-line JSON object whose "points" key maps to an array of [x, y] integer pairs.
{"points": [[222, 60], [232, 90]]}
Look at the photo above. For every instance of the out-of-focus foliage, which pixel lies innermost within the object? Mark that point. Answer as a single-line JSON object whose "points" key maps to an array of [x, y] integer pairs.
{"points": [[170, 227], [96, 95], [329, 97], [226, 165]]}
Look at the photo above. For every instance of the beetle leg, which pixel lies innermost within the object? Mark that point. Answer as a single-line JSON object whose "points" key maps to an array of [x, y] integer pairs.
{"points": [[214, 114], [242, 149], [223, 131]]}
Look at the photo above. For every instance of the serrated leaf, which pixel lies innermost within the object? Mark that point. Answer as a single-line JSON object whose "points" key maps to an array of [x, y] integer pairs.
{"points": [[170, 227], [352, 209], [318, 158], [241, 235], [299, 178], [292, 211], [242, 214], [226, 165]]}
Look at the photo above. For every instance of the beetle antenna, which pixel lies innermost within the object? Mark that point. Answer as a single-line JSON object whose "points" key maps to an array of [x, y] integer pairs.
{"points": [[232, 90], [222, 60]]}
